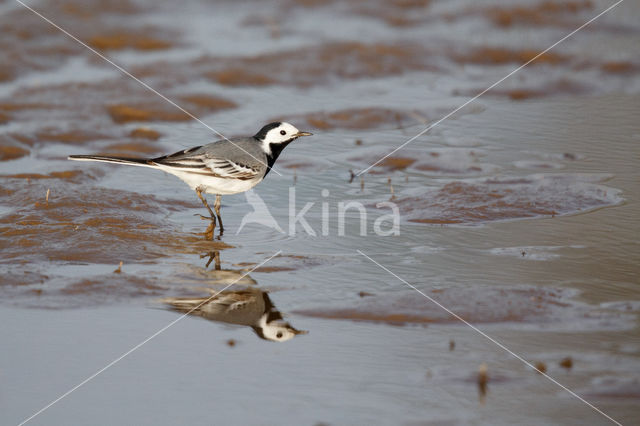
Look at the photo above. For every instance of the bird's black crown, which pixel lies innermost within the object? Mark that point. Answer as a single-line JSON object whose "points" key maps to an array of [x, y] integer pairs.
{"points": [[263, 132]]}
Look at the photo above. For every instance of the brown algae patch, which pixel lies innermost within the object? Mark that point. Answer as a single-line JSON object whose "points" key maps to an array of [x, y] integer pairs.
{"points": [[74, 137], [113, 286], [476, 305], [156, 111], [445, 161], [94, 225], [22, 48], [269, 269], [87, 106], [8, 152], [395, 13], [71, 175], [121, 113], [293, 262], [619, 67], [396, 163], [145, 133], [296, 164], [302, 67], [562, 87], [209, 102], [129, 148], [29, 44], [36, 290], [504, 199], [543, 13], [499, 56], [239, 77], [355, 119], [528, 306], [126, 39]]}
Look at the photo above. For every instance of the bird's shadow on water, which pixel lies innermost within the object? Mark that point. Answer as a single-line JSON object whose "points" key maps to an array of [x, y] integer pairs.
{"points": [[238, 302]]}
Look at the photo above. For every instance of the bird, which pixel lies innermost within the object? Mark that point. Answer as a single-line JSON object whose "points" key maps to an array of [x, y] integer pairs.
{"points": [[250, 307], [223, 167]]}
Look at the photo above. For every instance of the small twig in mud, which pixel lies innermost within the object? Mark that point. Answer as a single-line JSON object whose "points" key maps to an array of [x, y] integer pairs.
{"points": [[47, 197], [119, 270], [483, 379], [452, 345], [393, 196], [361, 183], [353, 175]]}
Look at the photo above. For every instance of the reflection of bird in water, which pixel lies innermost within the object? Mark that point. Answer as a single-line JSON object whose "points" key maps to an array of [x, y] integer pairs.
{"points": [[217, 275], [251, 307]]}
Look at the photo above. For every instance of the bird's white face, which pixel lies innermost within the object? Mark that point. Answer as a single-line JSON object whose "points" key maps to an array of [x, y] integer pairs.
{"points": [[278, 133], [278, 332], [283, 133]]}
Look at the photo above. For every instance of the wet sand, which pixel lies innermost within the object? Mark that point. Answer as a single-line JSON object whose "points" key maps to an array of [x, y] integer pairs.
{"points": [[519, 213]]}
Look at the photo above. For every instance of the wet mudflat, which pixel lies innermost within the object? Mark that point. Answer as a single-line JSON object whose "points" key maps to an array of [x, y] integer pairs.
{"points": [[519, 214]]}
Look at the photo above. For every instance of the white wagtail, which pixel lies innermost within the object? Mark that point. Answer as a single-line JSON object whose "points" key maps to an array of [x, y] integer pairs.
{"points": [[251, 307], [227, 166]]}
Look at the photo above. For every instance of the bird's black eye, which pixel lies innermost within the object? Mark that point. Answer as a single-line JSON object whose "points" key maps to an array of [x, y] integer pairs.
{"points": [[282, 132], [279, 335]]}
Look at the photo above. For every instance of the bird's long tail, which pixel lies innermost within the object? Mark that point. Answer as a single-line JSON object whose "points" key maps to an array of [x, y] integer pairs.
{"points": [[184, 304], [118, 160]]}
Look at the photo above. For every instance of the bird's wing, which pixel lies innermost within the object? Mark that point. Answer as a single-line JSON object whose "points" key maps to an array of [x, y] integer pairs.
{"points": [[226, 168], [204, 161]]}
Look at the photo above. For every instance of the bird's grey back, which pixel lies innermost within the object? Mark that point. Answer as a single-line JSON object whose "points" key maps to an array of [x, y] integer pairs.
{"points": [[245, 151]]}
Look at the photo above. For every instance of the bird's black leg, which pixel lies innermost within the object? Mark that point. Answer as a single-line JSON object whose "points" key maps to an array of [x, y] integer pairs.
{"points": [[216, 207], [209, 232]]}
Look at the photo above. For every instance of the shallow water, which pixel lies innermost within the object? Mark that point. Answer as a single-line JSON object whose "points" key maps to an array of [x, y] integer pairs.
{"points": [[519, 214]]}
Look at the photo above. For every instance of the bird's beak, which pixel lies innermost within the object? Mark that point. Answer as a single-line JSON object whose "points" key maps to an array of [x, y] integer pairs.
{"points": [[298, 332], [297, 135]]}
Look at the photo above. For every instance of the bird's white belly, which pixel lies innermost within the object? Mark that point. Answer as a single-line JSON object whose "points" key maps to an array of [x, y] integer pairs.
{"points": [[214, 185]]}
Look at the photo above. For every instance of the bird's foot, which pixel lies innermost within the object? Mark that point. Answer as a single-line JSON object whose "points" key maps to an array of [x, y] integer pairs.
{"points": [[208, 234], [203, 217], [212, 255]]}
